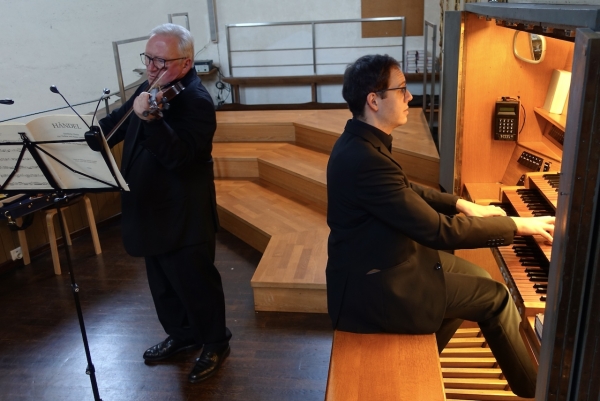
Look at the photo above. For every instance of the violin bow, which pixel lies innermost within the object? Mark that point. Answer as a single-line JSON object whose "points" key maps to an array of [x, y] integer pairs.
{"points": [[153, 85]]}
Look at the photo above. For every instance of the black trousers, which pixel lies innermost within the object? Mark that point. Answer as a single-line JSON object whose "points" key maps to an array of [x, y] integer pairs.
{"points": [[188, 294], [471, 294]]}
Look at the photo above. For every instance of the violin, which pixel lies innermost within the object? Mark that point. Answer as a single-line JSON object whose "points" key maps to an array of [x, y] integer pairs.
{"points": [[92, 136], [168, 93]]}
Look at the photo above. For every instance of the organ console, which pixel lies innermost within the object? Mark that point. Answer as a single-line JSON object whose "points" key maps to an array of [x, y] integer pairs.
{"points": [[551, 169]]}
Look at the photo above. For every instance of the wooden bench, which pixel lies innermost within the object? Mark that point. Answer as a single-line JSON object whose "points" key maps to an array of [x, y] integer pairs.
{"points": [[384, 367]]}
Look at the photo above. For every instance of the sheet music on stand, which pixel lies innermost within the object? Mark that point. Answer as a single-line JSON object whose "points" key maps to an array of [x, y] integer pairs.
{"points": [[50, 153]]}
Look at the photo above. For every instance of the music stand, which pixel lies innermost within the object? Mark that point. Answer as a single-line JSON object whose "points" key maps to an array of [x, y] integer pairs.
{"points": [[22, 179]]}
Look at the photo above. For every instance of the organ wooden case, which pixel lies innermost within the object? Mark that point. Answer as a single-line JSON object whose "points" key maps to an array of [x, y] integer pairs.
{"points": [[550, 168]]}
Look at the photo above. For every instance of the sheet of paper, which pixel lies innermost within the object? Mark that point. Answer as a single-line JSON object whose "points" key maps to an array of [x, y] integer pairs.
{"points": [[86, 168], [29, 176]]}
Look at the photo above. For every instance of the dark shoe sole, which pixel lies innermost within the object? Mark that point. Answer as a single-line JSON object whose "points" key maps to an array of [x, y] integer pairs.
{"points": [[225, 355], [162, 358]]}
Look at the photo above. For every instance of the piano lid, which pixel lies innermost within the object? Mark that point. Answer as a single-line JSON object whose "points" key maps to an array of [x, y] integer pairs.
{"points": [[559, 16]]}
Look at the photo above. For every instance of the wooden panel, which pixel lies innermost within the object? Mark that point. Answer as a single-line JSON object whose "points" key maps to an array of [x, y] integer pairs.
{"points": [[254, 132], [305, 300], [313, 139], [297, 169], [398, 367], [413, 10], [236, 160], [300, 185], [491, 72], [227, 168]]}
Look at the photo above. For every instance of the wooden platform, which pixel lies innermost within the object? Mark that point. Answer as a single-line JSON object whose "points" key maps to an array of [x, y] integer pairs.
{"points": [[270, 169]]}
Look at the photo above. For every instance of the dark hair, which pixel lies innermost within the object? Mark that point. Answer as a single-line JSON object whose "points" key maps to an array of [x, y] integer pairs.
{"points": [[368, 74]]}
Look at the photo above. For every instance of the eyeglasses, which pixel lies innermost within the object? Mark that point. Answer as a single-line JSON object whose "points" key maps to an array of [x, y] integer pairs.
{"points": [[158, 62], [402, 88]]}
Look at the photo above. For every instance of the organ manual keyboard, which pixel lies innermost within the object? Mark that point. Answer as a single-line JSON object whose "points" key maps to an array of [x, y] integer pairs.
{"points": [[553, 168]]}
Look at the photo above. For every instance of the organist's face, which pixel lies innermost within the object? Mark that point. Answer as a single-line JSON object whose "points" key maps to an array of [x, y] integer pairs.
{"points": [[165, 52], [393, 110]]}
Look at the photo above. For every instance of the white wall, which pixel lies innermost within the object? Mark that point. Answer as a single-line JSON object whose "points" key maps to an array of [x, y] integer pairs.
{"points": [[68, 43]]}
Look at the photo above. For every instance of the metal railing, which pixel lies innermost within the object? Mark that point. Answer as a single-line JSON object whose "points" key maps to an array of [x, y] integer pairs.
{"points": [[313, 46], [433, 71], [187, 18]]}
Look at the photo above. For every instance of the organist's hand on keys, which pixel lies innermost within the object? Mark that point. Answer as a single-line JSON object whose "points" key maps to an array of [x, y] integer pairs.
{"points": [[543, 226], [475, 210]]}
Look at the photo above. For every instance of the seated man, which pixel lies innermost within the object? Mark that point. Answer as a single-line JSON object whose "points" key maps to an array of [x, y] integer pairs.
{"points": [[386, 271]]}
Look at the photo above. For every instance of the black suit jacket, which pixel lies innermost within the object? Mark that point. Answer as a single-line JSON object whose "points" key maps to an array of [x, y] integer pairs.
{"points": [[384, 272], [168, 167]]}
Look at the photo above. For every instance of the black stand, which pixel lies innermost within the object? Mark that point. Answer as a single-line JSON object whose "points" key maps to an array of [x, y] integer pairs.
{"points": [[60, 198], [90, 370]]}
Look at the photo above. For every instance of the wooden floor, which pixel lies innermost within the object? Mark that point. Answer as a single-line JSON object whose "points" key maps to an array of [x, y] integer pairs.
{"points": [[275, 356]]}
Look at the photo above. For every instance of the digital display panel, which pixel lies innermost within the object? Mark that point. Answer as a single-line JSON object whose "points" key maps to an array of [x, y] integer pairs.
{"points": [[506, 109]]}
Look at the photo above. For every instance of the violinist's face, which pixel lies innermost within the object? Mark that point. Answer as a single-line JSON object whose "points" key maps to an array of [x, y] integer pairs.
{"points": [[166, 48]]}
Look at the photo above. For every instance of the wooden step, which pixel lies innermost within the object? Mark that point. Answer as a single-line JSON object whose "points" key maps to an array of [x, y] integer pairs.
{"points": [[476, 383], [481, 395], [474, 352], [492, 373], [292, 234], [240, 159], [467, 332], [462, 342], [298, 170], [460, 362], [255, 210], [291, 274], [413, 146]]}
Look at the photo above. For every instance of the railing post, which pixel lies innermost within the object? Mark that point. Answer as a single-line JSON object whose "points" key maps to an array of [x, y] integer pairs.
{"points": [[119, 72], [314, 51], [433, 70], [403, 43], [228, 49]]}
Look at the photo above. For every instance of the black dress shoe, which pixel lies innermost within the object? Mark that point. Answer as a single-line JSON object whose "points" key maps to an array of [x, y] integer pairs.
{"points": [[208, 364], [167, 348]]}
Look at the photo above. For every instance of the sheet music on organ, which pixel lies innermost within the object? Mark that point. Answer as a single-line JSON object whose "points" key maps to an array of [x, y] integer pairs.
{"points": [[77, 155]]}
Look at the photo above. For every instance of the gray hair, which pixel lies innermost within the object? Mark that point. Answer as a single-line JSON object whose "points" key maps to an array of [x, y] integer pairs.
{"points": [[186, 41]]}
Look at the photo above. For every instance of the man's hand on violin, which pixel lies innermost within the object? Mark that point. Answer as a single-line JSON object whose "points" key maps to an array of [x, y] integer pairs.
{"points": [[147, 107]]}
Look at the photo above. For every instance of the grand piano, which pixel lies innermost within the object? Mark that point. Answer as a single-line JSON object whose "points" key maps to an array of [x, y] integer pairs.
{"points": [[547, 165]]}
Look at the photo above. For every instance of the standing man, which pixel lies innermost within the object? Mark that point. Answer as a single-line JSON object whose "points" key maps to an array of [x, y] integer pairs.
{"points": [[169, 216], [385, 271]]}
